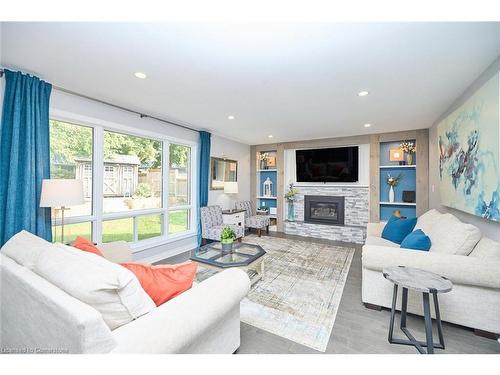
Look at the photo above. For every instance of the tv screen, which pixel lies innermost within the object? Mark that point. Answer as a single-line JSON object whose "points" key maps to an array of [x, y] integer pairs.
{"points": [[327, 164]]}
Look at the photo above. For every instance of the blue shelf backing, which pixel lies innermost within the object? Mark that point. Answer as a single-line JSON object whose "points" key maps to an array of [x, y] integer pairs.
{"points": [[262, 177], [386, 211], [385, 148], [267, 202], [408, 182]]}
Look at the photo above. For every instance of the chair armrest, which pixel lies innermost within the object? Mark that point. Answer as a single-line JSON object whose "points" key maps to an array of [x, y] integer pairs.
{"points": [[459, 269], [174, 325], [375, 229], [117, 251]]}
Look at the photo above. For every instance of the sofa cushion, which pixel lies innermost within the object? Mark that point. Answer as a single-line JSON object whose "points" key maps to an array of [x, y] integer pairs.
{"points": [[427, 220], [398, 228], [110, 288], [379, 241], [417, 240], [163, 282], [85, 245], [25, 248], [487, 249], [449, 235]]}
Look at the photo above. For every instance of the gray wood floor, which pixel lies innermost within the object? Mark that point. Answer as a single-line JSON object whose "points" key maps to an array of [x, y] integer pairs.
{"points": [[357, 329]]}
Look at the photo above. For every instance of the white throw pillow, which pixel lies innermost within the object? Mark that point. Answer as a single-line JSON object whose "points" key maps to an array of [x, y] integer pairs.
{"points": [[111, 289], [25, 248], [450, 236], [427, 220], [487, 249]]}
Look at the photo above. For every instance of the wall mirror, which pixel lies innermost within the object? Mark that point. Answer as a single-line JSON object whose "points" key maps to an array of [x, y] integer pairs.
{"points": [[221, 171]]}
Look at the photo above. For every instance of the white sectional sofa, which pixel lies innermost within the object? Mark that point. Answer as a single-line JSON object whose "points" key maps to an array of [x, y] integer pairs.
{"points": [[459, 253], [37, 316]]}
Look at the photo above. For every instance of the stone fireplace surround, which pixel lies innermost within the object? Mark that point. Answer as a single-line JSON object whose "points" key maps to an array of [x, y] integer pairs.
{"points": [[356, 214]]}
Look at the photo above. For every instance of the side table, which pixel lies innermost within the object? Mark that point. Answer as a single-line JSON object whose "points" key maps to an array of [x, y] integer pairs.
{"points": [[426, 283]]}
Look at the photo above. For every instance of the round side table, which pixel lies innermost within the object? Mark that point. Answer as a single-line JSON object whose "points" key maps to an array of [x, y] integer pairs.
{"points": [[426, 283]]}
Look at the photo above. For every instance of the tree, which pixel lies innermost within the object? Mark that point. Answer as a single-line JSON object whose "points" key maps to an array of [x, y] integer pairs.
{"points": [[69, 142]]}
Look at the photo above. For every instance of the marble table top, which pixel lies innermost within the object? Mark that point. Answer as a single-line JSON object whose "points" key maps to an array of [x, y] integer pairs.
{"points": [[416, 279]]}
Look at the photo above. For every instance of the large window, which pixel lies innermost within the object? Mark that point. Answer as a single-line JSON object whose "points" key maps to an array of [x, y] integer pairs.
{"points": [[134, 198]]}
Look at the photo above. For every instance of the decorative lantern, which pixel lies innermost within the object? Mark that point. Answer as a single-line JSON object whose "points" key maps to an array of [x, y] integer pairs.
{"points": [[268, 187]]}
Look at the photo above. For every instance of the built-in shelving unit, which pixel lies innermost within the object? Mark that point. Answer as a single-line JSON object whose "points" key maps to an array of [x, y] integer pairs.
{"points": [[407, 182], [267, 169]]}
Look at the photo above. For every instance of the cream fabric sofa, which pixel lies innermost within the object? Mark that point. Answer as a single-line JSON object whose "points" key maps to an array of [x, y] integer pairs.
{"points": [[458, 253], [36, 316]]}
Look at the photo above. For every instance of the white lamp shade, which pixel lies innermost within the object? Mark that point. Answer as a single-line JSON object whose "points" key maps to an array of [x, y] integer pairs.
{"points": [[231, 187], [60, 192]]}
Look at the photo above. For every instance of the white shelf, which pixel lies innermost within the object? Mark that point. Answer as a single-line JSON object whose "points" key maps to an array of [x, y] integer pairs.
{"points": [[262, 197], [397, 166], [267, 170], [397, 204]]}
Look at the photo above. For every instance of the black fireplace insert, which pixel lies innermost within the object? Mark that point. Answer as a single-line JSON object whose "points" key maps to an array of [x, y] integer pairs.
{"points": [[324, 209]]}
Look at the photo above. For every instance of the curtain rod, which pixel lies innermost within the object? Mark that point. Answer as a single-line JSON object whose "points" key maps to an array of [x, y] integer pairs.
{"points": [[141, 115]]}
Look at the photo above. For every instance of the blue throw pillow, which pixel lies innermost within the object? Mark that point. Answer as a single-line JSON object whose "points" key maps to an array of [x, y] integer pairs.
{"points": [[417, 240], [397, 229]]}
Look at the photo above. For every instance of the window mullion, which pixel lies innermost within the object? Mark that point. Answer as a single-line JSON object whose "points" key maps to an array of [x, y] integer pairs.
{"points": [[98, 184], [165, 185]]}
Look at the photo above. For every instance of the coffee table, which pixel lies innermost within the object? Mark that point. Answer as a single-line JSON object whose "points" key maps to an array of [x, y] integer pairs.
{"points": [[247, 257]]}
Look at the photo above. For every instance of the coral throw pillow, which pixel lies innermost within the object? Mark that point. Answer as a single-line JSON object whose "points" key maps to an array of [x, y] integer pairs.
{"points": [[163, 282], [85, 245]]}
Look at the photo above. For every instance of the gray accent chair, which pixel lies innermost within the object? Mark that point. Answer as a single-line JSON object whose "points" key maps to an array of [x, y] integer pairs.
{"points": [[212, 224], [252, 220]]}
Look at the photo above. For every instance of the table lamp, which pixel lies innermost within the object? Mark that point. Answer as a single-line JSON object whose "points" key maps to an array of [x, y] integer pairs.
{"points": [[231, 187], [60, 193]]}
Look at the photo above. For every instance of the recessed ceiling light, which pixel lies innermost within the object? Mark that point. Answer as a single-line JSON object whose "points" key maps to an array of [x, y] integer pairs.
{"points": [[270, 136], [363, 93], [231, 117], [367, 125], [140, 75]]}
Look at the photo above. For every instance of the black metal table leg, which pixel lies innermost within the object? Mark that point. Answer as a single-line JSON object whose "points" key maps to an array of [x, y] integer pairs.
{"points": [[428, 324], [393, 312], [438, 320]]}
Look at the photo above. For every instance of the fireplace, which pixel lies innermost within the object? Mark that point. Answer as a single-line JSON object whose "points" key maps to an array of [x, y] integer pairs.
{"points": [[324, 209]]}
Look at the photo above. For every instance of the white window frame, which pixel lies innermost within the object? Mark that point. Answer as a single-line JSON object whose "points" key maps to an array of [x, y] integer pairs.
{"points": [[98, 217]]}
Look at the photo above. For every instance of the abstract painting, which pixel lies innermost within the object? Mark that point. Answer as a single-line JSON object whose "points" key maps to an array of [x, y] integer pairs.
{"points": [[469, 154]]}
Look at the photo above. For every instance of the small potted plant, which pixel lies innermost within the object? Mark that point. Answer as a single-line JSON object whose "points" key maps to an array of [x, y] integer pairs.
{"points": [[392, 182], [227, 238]]}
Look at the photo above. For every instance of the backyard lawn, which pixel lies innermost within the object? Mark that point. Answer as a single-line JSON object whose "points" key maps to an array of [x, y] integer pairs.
{"points": [[122, 229]]}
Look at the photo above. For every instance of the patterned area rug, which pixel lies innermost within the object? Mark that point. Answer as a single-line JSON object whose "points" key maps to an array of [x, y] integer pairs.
{"points": [[301, 291]]}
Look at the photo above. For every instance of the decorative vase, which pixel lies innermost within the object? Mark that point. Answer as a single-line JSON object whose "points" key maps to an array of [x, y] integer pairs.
{"points": [[227, 247], [409, 159], [291, 211], [391, 194]]}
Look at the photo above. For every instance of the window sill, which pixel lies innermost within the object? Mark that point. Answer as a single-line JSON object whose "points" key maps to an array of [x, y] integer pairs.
{"points": [[154, 242]]}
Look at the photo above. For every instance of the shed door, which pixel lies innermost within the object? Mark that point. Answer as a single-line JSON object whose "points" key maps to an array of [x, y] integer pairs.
{"points": [[110, 180]]}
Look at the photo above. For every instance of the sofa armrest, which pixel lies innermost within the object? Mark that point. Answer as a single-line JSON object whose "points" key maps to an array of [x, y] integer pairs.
{"points": [[375, 229], [459, 269], [176, 324], [117, 251]]}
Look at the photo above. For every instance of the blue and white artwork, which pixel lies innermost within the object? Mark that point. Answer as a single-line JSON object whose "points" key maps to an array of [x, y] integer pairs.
{"points": [[469, 154]]}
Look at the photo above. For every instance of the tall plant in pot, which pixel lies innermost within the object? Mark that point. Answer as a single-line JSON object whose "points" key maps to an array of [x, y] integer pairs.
{"points": [[227, 238], [290, 196]]}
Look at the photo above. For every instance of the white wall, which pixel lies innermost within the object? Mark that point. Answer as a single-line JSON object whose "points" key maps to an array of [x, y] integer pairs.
{"points": [[488, 228], [2, 80], [222, 147]]}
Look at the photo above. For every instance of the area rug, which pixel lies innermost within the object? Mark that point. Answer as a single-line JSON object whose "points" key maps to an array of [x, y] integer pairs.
{"points": [[300, 294]]}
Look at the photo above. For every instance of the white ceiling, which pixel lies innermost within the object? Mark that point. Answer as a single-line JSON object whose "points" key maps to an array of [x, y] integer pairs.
{"points": [[294, 81]]}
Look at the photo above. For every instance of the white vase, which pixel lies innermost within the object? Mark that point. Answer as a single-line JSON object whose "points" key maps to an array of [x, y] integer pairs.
{"points": [[391, 194]]}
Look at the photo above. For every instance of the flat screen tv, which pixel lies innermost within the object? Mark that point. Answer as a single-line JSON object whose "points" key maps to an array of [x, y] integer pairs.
{"points": [[338, 164]]}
